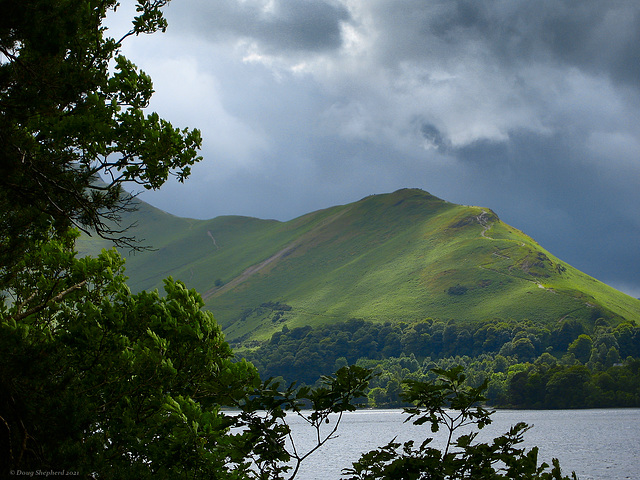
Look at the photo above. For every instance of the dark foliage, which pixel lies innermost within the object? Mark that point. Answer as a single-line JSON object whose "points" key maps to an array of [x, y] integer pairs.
{"points": [[72, 110], [514, 356]]}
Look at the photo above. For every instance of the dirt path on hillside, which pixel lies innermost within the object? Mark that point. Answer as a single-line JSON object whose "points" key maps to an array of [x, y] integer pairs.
{"points": [[213, 240], [247, 273], [216, 291], [482, 219]]}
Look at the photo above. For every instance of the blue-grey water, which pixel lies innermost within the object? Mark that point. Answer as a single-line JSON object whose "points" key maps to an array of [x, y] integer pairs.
{"points": [[598, 444]]}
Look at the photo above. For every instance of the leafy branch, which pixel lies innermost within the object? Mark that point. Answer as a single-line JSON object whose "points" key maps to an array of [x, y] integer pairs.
{"points": [[263, 417], [451, 404]]}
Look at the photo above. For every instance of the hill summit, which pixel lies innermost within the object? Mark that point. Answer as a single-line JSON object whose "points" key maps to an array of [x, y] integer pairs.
{"points": [[403, 256]]}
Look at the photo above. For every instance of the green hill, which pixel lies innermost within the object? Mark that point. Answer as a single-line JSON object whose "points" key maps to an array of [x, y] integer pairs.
{"points": [[402, 256]]}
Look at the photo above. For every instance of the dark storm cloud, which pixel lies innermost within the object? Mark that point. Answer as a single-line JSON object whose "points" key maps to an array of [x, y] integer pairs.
{"points": [[598, 36], [433, 136], [277, 25]]}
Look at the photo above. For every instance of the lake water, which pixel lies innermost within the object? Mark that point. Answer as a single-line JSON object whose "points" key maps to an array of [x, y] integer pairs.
{"points": [[598, 444]]}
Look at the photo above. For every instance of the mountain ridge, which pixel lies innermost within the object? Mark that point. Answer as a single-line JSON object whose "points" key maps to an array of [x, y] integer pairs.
{"points": [[402, 256]]}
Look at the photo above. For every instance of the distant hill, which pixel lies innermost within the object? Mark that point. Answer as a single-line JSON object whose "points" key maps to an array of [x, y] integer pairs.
{"points": [[403, 256]]}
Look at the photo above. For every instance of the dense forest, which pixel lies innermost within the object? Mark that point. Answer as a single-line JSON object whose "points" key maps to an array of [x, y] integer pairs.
{"points": [[528, 365]]}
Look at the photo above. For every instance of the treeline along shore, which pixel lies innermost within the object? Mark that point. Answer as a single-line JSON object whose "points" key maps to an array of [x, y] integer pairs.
{"points": [[528, 365]]}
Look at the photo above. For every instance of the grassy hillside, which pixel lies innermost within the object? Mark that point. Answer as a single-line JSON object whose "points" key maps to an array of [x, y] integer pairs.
{"points": [[397, 257]]}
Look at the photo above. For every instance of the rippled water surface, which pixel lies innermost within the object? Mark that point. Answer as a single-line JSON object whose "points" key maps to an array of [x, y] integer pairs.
{"points": [[598, 444]]}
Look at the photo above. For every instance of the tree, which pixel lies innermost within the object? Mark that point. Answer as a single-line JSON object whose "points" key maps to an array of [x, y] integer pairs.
{"points": [[449, 405], [567, 388], [523, 348], [72, 110], [105, 382], [581, 348]]}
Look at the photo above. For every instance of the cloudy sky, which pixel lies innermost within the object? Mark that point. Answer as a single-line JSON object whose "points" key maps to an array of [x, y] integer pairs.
{"points": [[529, 108]]}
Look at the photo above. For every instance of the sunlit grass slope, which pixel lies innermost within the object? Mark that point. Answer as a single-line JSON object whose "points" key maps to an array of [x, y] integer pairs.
{"points": [[403, 256]]}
